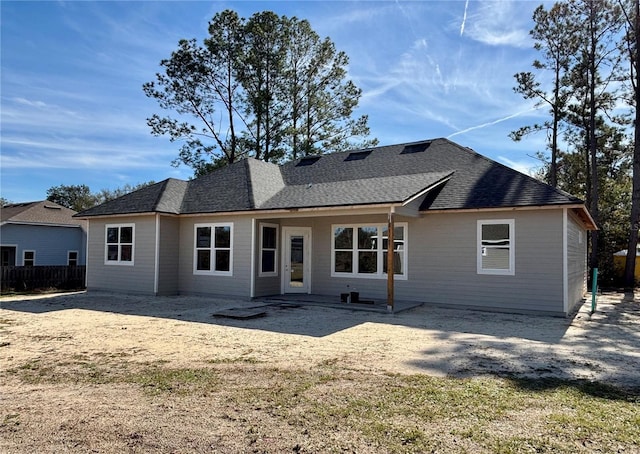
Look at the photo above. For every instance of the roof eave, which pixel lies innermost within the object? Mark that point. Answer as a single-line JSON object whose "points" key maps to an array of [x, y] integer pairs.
{"points": [[382, 207], [117, 215], [586, 218], [426, 190], [42, 224], [580, 210]]}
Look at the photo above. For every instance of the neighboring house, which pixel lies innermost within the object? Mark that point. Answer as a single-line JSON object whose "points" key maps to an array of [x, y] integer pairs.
{"points": [[620, 262], [41, 233], [467, 231]]}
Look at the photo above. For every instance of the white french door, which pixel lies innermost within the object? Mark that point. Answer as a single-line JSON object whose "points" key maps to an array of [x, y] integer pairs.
{"points": [[296, 260]]}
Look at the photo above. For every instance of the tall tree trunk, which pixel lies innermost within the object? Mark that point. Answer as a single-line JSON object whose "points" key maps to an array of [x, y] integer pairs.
{"points": [[630, 264], [557, 111], [553, 171], [592, 138], [231, 155]]}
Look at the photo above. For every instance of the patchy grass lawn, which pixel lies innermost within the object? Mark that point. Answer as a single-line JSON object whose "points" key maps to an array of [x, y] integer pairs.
{"points": [[110, 404], [103, 373]]}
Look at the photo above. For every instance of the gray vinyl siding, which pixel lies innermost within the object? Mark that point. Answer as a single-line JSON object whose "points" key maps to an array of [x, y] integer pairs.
{"points": [[136, 279], [50, 243], [322, 282], [267, 285], [237, 285], [168, 271], [442, 262], [576, 263], [443, 267]]}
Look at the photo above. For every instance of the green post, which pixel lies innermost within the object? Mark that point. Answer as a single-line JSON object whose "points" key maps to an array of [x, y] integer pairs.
{"points": [[594, 290]]}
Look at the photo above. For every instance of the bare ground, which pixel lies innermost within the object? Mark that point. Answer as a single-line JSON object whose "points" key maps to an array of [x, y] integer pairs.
{"points": [[97, 372]]}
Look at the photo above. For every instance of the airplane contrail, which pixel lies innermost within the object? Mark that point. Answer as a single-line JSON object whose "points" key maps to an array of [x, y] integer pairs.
{"points": [[464, 17], [491, 123]]}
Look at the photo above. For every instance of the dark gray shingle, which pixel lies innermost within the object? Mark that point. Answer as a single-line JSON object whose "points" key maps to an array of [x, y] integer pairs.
{"points": [[364, 191], [388, 174]]}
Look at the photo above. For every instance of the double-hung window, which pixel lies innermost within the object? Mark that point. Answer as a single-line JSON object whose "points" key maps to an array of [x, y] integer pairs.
{"points": [[361, 250], [268, 250], [496, 248], [119, 244], [213, 249], [72, 258], [28, 258]]}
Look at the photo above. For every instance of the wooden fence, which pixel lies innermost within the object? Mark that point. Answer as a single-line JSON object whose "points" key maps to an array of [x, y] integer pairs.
{"points": [[38, 277]]}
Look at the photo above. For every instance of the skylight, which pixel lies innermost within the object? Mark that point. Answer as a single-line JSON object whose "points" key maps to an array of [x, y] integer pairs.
{"points": [[415, 148], [309, 160], [358, 155]]}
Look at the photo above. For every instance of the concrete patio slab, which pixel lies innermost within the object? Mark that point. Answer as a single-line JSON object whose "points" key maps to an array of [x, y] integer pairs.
{"points": [[367, 305]]}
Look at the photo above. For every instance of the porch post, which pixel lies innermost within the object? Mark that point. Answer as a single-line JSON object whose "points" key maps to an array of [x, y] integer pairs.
{"points": [[390, 267]]}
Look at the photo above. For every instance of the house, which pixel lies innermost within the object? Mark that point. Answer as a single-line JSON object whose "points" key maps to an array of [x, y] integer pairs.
{"points": [[465, 231], [620, 262], [41, 233]]}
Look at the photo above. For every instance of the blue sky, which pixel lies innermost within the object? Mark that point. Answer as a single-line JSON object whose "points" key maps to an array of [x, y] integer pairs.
{"points": [[73, 110]]}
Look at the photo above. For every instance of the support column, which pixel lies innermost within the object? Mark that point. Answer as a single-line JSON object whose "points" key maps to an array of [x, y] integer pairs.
{"points": [[390, 261]]}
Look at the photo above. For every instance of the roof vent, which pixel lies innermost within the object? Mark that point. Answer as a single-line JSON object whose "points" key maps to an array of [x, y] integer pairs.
{"points": [[415, 148], [51, 207], [309, 160], [358, 155]]}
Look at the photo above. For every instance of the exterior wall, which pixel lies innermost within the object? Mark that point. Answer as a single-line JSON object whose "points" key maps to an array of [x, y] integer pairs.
{"points": [[322, 283], [137, 278], [239, 283], [443, 269], [576, 263], [442, 261], [267, 285], [50, 243], [168, 255]]}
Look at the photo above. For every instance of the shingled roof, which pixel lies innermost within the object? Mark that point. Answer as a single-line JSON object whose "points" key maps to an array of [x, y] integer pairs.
{"points": [[451, 177], [42, 212]]}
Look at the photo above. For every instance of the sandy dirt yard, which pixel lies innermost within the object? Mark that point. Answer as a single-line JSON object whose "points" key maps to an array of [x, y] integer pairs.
{"points": [[58, 351]]}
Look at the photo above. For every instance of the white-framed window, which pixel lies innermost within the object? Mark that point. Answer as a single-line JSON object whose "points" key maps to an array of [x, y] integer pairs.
{"points": [[213, 249], [28, 258], [268, 249], [360, 250], [119, 242], [72, 258], [496, 246]]}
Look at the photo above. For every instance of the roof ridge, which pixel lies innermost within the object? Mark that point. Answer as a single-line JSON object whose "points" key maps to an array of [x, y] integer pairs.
{"points": [[184, 196], [249, 182], [356, 150], [160, 193]]}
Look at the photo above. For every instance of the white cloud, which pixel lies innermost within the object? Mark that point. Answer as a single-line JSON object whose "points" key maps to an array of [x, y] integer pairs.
{"points": [[498, 23], [55, 153], [29, 103]]}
